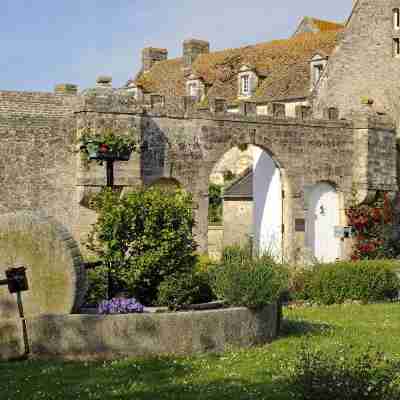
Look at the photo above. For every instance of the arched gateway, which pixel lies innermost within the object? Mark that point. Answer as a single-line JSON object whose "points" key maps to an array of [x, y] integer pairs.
{"points": [[250, 210]]}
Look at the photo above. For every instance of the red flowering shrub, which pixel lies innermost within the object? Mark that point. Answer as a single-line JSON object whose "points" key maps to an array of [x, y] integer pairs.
{"points": [[372, 224]]}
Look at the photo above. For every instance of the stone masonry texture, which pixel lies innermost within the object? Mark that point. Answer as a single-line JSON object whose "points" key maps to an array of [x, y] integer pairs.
{"points": [[40, 168]]}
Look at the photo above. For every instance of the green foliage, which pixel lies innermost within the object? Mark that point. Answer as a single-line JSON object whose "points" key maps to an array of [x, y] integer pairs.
{"points": [[146, 236], [185, 289], [251, 282], [373, 225], [193, 287], [229, 176], [106, 141], [215, 204], [97, 285], [367, 375], [236, 253], [364, 281]]}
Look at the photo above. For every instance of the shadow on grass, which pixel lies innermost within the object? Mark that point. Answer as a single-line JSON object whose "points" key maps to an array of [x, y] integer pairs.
{"points": [[297, 328], [161, 378]]}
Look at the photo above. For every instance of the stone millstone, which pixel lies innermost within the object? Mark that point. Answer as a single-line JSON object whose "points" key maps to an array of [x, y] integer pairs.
{"points": [[55, 271]]}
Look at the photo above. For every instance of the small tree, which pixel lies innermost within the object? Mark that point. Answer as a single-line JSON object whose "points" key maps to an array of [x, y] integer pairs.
{"points": [[145, 236]]}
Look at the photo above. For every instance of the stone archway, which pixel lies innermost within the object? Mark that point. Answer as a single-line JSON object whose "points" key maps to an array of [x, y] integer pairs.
{"points": [[253, 202], [322, 217]]}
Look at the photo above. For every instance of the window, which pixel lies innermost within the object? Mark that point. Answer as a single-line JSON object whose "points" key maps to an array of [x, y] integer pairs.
{"points": [[245, 85], [318, 69], [396, 47], [396, 18]]}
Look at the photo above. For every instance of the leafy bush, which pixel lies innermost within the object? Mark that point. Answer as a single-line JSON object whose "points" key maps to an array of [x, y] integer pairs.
{"points": [[215, 204], [236, 253], [146, 236], [369, 375], [335, 283], [184, 289], [243, 281], [373, 225], [97, 285]]}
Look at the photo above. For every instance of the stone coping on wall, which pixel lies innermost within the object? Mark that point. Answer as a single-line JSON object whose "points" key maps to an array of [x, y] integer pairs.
{"points": [[87, 337]]}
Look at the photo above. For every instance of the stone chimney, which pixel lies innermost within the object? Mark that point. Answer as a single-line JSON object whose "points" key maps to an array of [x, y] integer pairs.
{"points": [[192, 48], [151, 55], [104, 82]]}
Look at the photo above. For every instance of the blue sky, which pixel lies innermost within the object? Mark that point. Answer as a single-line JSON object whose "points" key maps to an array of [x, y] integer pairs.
{"points": [[45, 42]]}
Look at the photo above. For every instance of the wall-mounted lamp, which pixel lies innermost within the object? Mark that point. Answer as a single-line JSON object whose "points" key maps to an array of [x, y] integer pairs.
{"points": [[322, 210]]}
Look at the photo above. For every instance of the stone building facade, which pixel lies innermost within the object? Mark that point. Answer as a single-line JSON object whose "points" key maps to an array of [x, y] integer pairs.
{"points": [[322, 104]]}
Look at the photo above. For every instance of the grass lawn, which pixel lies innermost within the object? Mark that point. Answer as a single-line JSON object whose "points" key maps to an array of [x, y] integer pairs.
{"points": [[258, 373]]}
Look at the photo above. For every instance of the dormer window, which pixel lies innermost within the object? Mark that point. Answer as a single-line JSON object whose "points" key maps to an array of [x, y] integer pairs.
{"points": [[396, 18], [247, 81], [318, 63], [245, 85]]}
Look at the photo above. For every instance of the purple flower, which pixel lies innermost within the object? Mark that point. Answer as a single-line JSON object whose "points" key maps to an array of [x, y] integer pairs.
{"points": [[120, 306]]}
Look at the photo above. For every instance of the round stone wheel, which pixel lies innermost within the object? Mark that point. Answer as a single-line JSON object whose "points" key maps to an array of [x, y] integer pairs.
{"points": [[54, 266]]}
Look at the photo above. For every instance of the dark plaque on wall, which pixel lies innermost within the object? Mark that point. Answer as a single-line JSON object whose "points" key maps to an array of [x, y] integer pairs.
{"points": [[300, 225]]}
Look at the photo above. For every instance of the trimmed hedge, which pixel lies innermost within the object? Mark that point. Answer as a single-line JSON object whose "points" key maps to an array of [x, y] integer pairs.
{"points": [[365, 281]]}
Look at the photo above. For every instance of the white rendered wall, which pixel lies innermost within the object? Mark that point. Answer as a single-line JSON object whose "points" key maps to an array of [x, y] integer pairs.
{"points": [[267, 191], [323, 216]]}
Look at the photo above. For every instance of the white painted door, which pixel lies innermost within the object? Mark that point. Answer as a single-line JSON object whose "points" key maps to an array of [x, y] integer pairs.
{"points": [[267, 203], [323, 216]]}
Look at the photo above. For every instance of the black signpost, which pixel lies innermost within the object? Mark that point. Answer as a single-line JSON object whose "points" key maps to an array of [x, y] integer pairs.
{"points": [[17, 283]]}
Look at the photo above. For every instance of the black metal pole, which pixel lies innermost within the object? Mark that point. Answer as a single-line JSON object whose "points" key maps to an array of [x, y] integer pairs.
{"points": [[110, 184], [110, 173], [23, 320]]}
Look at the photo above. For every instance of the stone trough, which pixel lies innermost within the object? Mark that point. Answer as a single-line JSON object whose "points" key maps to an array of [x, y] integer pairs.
{"points": [[57, 282], [86, 337]]}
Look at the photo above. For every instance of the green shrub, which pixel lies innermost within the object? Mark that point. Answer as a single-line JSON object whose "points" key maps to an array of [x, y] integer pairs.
{"points": [[215, 204], [364, 281], [146, 236], [369, 375], [193, 287], [237, 253], [97, 285], [184, 289], [253, 283]]}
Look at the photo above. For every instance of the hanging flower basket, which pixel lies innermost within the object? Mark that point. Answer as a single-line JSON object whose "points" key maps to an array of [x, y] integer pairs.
{"points": [[107, 146]]}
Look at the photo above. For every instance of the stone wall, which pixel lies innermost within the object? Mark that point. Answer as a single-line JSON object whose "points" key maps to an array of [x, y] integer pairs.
{"points": [[215, 241], [40, 169], [363, 68], [238, 221], [119, 336], [37, 160], [307, 152]]}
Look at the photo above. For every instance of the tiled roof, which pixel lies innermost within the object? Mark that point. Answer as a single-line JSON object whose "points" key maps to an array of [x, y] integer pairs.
{"points": [[282, 65], [324, 26]]}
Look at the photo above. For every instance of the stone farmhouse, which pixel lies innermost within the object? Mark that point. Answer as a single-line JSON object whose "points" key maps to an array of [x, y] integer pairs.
{"points": [[317, 112]]}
